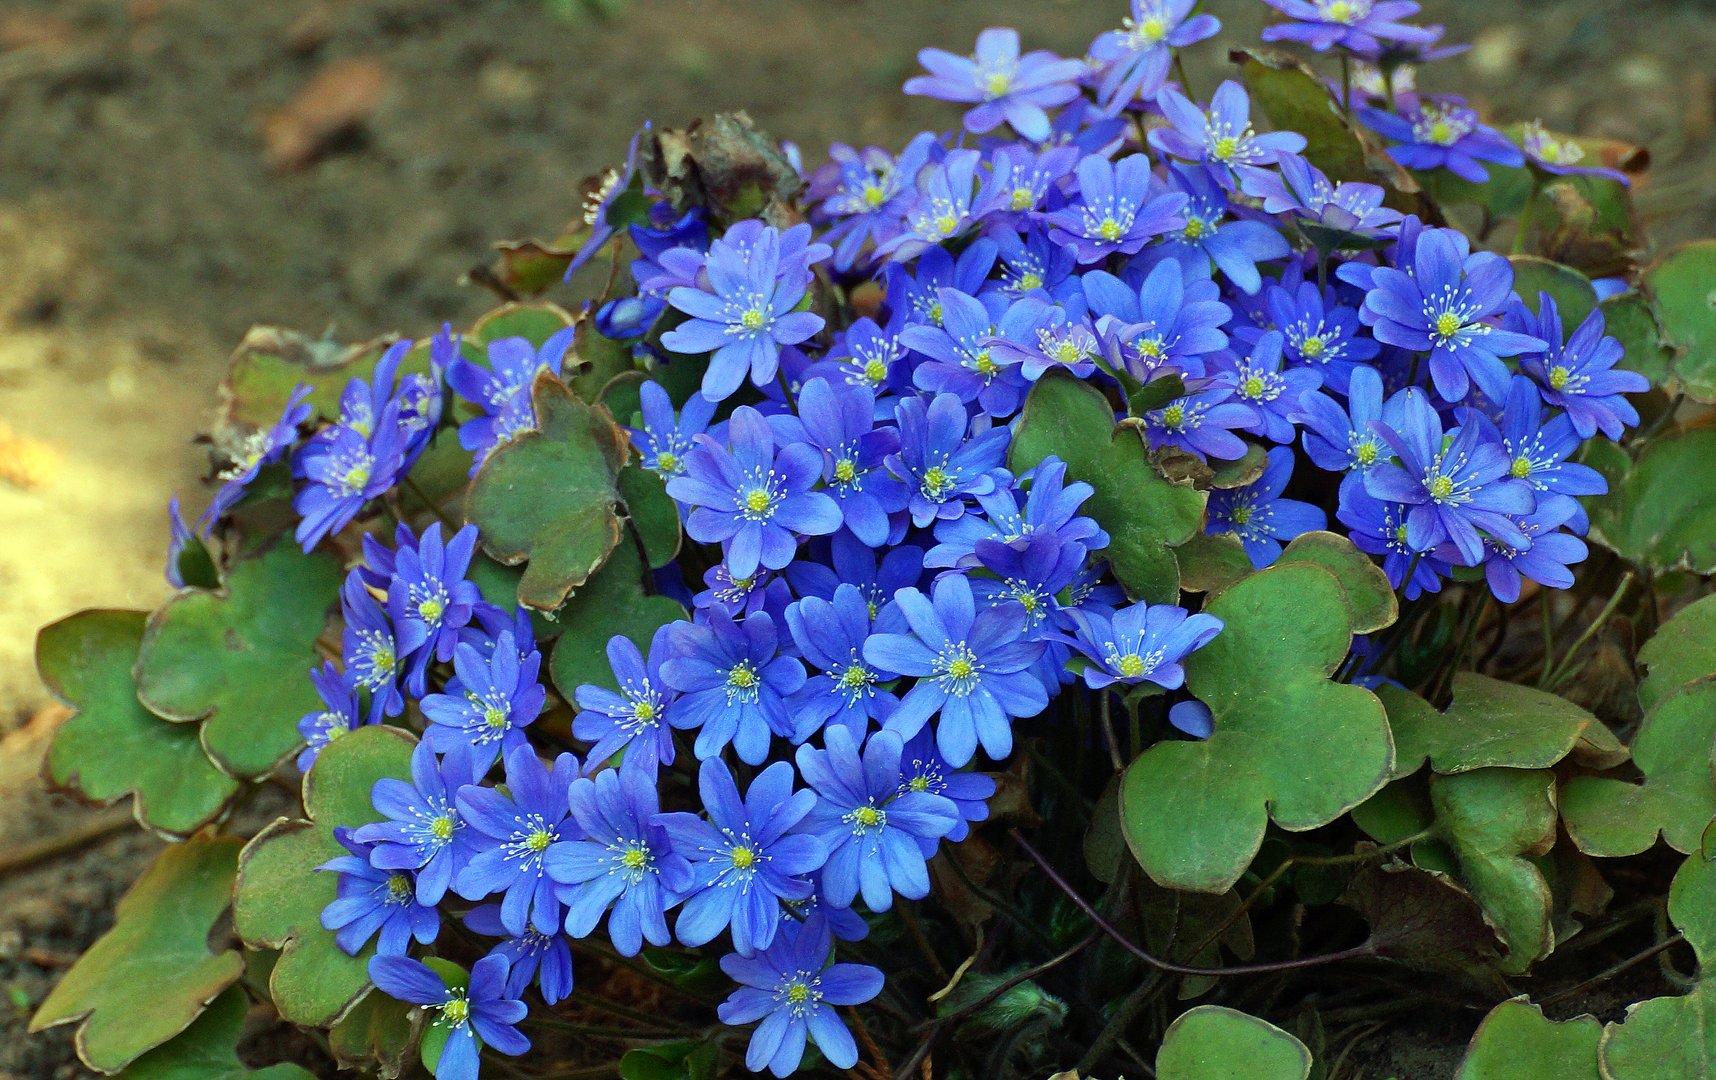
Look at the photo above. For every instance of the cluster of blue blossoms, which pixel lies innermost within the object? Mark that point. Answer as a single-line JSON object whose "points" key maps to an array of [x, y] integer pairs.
{"points": [[887, 600]]}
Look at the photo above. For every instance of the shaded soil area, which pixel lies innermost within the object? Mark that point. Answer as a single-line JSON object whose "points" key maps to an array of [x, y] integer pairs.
{"points": [[154, 203]]}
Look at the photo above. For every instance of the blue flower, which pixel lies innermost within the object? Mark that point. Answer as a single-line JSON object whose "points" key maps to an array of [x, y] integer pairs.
{"points": [[852, 562], [1379, 528], [793, 989], [1300, 188], [1170, 322], [502, 390], [1274, 394], [1120, 206], [422, 830], [1578, 373], [1031, 176], [915, 296], [1546, 559], [666, 439], [687, 235], [369, 901], [1034, 265], [1040, 336], [1134, 60], [429, 599], [487, 703], [1440, 307], [546, 958], [635, 719], [1442, 133], [866, 356], [871, 828], [264, 446], [1319, 334], [625, 862], [510, 833], [923, 770], [862, 193], [1453, 487], [841, 422], [1139, 643], [747, 858], [1223, 138], [1359, 26], [757, 276], [369, 651], [972, 667], [599, 201], [1235, 247], [1202, 423], [1259, 516], [1003, 85], [1029, 572], [482, 1010], [735, 684], [938, 463], [346, 468], [1342, 440], [751, 500], [1539, 451], [741, 596], [1050, 506], [338, 716], [962, 359], [1560, 157], [831, 634]]}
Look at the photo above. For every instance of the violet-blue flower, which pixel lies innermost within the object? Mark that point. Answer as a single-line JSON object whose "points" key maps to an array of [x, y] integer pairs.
{"points": [[1134, 59], [263, 446], [1359, 26], [872, 830], [951, 196], [1378, 527], [1234, 246], [338, 715], [370, 901], [831, 635], [939, 463], [1139, 643], [793, 989], [1442, 133], [862, 194], [1272, 390], [841, 422], [482, 1010], [746, 858], [369, 651], [1001, 84], [1257, 514], [1319, 333], [1039, 336], [1344, 439], [734, 684], [1202, 423], [635, 718], [421, 828], [429, 599], [487, 703], [961, 358], [1120, 207], [1578, 373], [508, 835], [1546, 559], [532, 955], [502, 389], [1222, 138], [345, 468], [1012, 515], [624, 862], [1297, 187], [665, 439], [923, 770], [751, 500], [1172, 322], [970, 666]]}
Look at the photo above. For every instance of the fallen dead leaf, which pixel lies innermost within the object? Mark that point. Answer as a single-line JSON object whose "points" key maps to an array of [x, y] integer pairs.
{"points": [[26, 463], [336, 101]]}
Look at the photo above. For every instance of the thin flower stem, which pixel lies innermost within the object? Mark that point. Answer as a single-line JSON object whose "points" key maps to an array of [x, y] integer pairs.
{"points": [[429, 504], [1347, 87], [916, 930], [1357, 952], [1610, 972], [1525, 220], [1553, 678], [625, 1012], [1108, 732]]}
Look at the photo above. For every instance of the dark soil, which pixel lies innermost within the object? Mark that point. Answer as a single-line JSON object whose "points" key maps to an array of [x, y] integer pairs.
{"points": [[142, 230]]}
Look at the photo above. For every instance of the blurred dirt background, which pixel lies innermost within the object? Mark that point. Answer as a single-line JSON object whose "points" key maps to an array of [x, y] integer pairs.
{"points": [[172, 171]]}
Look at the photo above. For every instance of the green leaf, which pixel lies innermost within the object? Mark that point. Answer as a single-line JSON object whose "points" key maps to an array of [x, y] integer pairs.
{"points": [[1294, 98], [1574, 297], [1661, 510], [1608, 818], [549, 496], [534, 322], [377, 1033], [149, 977], [239, 658], [611, 603], [600, 359], [1491, 819], [1665, 1038], [208, 1050], [653, 514], [272, 361], [1683, 285], [1211, 561], [1516, 1042], [1682, 651], [1629, 319], [1371, 602], [279, 896], [436, 1035], [1288, 744], [686, 1059], [112, 746], [1491, 722], [1214, 1043], [1692, 905], [1145, 516]]}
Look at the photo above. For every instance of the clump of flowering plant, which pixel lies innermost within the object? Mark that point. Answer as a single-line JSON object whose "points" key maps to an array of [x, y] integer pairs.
{"points": [[935, 615]]}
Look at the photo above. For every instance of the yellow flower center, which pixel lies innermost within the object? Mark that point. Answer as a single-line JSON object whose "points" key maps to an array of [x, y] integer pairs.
{"points": [[635, 858], [1441, 132], [1173, 416], [960, 668], [1367, 453], [431, 610], [856, 677], [918, 783], [1253, 386], [1150, 348], [997, 83], [1521, 468], [936, 482], [1109, 229], [946, 223], [456, 1011], [1441, 488], [398, 888], [985, 364], [1448, 324], [1312, 347], [1029, 281], [495, 717], [744, 858], [867, 816], [442, 827], [845, 471], [538, 840], [1024, 198], [757, 500], [875, 371], [667, 462], [1131, 665], [874, 195], [1559, 377], [1195, 228], [743, 677], [1241, 515], [1224, 148], [753, 319], [644, 711], [798, 993]]}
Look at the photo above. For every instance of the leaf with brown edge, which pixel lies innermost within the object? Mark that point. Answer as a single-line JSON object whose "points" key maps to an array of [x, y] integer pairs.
{"points": [[151, 976], [548, 498], [1491, 723]]}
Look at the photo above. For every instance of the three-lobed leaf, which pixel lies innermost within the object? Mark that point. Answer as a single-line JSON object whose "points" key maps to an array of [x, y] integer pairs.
{"points": [[1144, 514], [1288, 744], [612, 603], [1517, 1042], [1491, 723], [207, 1050], [1682, 651], [148, 978], [112, 747], [1491, 820], [1683, 285], [237, 659], [1661, 509], [1211, 1042], [279, 896], [549, 496]]}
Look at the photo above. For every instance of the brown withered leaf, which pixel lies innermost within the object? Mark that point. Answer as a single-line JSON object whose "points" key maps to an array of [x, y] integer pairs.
{"points": [[334, 103]]}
